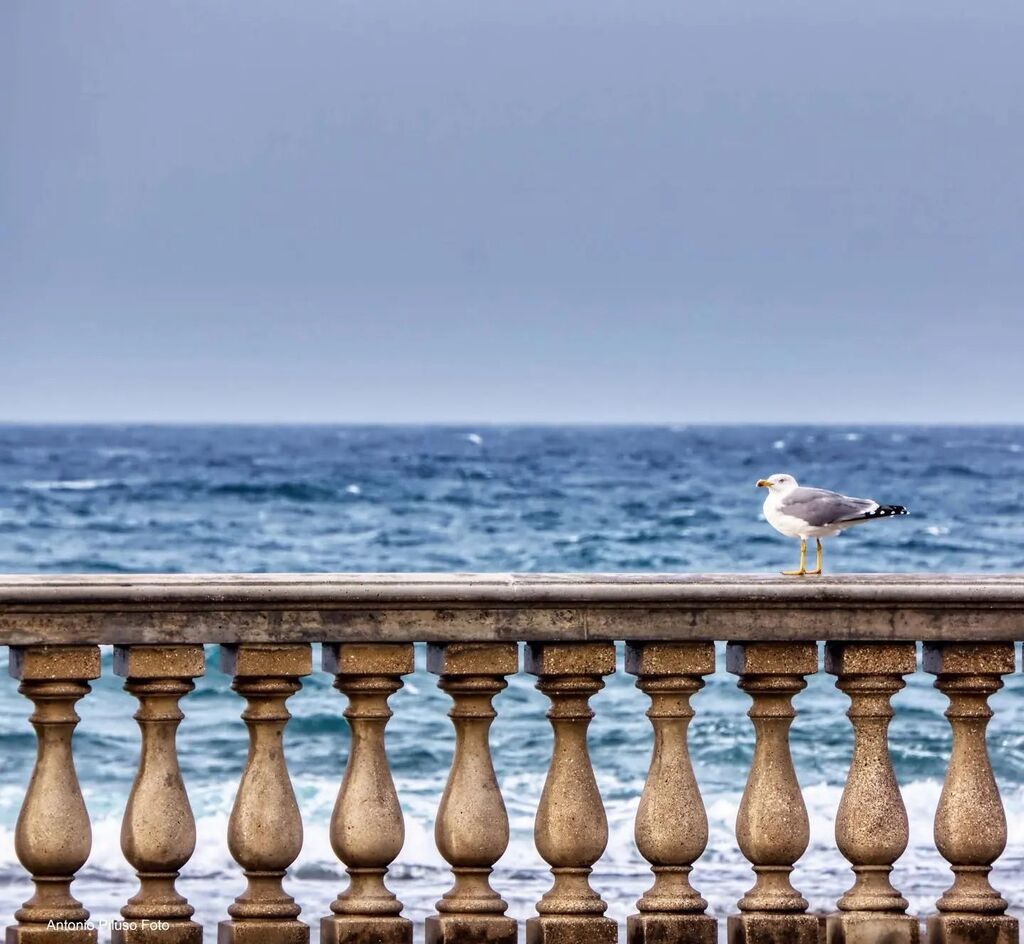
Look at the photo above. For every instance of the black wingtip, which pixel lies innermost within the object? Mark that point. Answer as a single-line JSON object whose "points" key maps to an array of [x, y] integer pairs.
{"points": [[887, 511]]}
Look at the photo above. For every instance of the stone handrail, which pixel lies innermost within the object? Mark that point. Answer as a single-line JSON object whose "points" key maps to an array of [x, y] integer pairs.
{"points": [[367, 625]]}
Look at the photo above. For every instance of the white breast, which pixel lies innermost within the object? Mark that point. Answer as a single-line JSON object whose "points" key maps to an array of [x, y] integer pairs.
{"points": [[784, 524]]}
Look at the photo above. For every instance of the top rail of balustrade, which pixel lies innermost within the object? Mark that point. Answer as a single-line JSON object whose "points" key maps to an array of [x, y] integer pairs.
{"points": [[223, 608]]}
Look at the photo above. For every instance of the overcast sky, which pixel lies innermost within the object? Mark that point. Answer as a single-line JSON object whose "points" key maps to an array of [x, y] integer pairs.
{"points": [[559, 210]]}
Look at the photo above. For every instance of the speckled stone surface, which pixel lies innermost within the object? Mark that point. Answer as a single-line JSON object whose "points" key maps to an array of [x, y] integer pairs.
{"points": [[254, 661], [767, 928], [177, 932], [41, 934], [671, 929], [355, 658], [587, 658], [870, 658], [865, 928], [158, 662], [969, 658], [670, 658], [262, 932], [566, 929], [769, 658], [473, 658], [352, 929], [54, 663], [972, 929], [461, 929]]}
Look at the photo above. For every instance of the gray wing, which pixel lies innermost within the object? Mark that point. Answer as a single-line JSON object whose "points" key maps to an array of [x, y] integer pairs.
{"points": [[820, 507]]}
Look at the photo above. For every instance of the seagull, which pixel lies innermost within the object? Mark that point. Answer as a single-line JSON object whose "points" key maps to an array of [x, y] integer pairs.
{"points": [[802, 512]]}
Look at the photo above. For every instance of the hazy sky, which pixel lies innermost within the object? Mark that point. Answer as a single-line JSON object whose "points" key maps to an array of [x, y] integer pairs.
{"points": [[511, 210]]}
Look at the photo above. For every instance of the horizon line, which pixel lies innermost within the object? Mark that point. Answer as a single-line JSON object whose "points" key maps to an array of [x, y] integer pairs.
{"points": [[496, 424]]}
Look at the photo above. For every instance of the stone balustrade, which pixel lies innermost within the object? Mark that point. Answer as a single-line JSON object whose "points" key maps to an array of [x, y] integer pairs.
{"points": [[367, 625]]}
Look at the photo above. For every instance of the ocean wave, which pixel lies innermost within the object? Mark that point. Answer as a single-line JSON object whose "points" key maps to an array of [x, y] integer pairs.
{"points": [[69, 485], [721, 874], [296, 491]]}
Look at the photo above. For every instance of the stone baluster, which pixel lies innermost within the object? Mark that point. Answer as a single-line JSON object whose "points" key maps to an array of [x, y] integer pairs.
{"points": [[571, 829], [871, 824], [471, 828], [367, 829], [771, 826], [265, 829], [158, 833], [970, 825], [53, 837], [671, 824]]}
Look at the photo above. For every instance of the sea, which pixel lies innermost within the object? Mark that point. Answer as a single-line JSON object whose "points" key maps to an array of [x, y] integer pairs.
{"points": [[678, 499]]}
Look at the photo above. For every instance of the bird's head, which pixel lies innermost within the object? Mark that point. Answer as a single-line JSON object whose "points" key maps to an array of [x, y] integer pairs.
{"points": [[780, 482]]}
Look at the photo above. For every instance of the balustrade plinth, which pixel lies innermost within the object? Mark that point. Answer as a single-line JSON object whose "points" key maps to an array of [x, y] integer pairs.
{"points": [[771, 826], [571, 829], [265, 828], [460, 929], [671, 824], [352, 929], [64, 931], [158, 833], [367, 829], [871, 823], [471, 828], [648, 928], [53, 836], [972, 929], [970, 824]]}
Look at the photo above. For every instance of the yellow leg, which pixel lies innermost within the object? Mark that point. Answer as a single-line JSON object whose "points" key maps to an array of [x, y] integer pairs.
{"points": [[803, 562], [817, 567]]}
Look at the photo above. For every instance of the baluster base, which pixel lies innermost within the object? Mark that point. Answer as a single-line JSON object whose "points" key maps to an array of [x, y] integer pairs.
{"points": [[773, 928], [671, 929], [471, 929], [571, 929], [157, 931], [972, 929], [851, 927], [262, 932], [76, 933], [353, 929]]}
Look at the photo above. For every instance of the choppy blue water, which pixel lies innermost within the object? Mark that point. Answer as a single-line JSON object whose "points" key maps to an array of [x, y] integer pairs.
{"points": [[109, 499]]}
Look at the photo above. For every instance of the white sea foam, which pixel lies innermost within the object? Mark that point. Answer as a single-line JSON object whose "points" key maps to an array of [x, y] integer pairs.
{"points": [[420, 874], [475, 438], [68, 485], [119, 452]]}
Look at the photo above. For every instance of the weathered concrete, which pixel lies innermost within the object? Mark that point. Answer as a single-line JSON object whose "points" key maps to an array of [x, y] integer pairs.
{"points": [[871, 823], [571, 829], [471, 828], [265, 828], [650, 928], [768, 928], [158, 833], [865, 927], [53, 835], [219, 608], [771, 825], [42, 934], [367, 828], [972, 929], [671, 824], [970, 824]]}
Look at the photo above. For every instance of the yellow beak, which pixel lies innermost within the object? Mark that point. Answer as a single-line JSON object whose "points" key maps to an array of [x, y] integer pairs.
{"points": [[763, 483]]}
